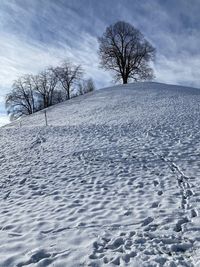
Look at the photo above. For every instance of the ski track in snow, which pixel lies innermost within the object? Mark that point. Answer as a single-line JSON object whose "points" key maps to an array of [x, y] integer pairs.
{"points": [[113, 181]]}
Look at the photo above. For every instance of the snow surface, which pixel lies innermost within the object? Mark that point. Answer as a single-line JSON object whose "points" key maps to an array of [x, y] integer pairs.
{"points": [[112, 181]]}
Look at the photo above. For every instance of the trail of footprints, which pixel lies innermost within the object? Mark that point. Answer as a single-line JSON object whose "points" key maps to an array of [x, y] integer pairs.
{"points": [[168, 250], [186, 194]]}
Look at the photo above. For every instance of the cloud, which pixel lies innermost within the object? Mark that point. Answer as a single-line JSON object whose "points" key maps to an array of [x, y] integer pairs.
{"points": [[187, 74], [18, 57], [35, 35]]}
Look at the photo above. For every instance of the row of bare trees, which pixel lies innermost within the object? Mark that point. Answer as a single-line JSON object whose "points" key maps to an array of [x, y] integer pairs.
{"points": [[31, 93]]}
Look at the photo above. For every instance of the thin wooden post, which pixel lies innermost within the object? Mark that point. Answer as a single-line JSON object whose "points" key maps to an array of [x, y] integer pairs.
{"points": [[45, 116]]}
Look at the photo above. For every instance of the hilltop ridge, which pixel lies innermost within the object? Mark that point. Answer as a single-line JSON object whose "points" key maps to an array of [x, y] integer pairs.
{"points": [[87, 108]]}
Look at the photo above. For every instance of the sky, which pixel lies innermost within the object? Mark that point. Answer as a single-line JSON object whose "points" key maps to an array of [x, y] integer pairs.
{"points": [[35, 34]]}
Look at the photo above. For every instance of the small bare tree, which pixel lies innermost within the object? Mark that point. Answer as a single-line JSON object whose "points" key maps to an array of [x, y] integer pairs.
{"points": [[89, 87], [20, 101], [68, 75], [86, 86], [125, 51], [45, 84]]}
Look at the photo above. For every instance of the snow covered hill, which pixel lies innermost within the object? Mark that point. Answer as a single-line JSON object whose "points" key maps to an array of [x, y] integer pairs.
{"points": [[114, 180]]}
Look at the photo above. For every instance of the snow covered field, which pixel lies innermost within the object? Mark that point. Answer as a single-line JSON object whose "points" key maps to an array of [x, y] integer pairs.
{"points": [[113, 180]]}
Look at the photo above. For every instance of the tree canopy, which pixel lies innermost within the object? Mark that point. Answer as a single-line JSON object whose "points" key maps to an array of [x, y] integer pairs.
{"points": [[124, 50]]}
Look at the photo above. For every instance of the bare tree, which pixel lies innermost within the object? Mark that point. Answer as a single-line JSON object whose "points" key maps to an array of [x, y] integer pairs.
{"points": [[45, 84], [58, 96], [125, 51], [89, 87], [86, 86], [21, 100], [68, 75]]}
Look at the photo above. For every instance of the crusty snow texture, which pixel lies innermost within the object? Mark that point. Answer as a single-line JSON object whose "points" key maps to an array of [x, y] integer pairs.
{"points": [[113, 180]]}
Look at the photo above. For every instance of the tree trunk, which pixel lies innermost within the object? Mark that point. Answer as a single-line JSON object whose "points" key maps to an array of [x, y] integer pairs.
{"points": [[125, 80], [68, 93]]}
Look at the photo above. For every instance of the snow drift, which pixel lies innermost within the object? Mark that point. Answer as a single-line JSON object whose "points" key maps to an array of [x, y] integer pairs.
{"points": [[113, 180]]}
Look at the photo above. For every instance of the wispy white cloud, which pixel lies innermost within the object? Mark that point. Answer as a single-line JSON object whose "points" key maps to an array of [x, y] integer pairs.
{"points": [[187, 74], [18, 57], [26, 47]]}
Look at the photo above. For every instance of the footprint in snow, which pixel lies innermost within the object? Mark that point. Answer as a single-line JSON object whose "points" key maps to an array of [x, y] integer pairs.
{"points": [[155, 204], [7, 195], [22, 181], [155, 183], [147, 221], [193, 213], [160, 192]]}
